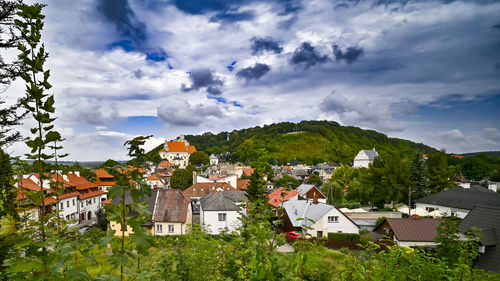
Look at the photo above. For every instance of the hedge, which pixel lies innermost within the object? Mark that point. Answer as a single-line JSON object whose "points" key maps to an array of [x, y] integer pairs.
{"points": [[349, 205], [352, 237]]}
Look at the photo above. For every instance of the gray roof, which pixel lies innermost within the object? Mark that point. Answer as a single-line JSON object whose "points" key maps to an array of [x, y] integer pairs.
{"points": [[304, 188], [299, 172], [296, 209], [150, 200], [222, 201], [371, 154], [486, 218], [212, 156], [463, 198]]}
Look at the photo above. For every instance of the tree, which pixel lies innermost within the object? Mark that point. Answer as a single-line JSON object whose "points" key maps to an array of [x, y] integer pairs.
{"points": [[181, 179], [438, 172], [199, 158], [315, 180], [8, 191], [418, 176], [343, 175], [109, 163], [102, 221], [334, 192], [286, 181], [256, 189]]}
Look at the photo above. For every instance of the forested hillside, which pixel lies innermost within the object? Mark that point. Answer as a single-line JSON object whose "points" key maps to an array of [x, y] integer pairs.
{"points": [[309, 142]]}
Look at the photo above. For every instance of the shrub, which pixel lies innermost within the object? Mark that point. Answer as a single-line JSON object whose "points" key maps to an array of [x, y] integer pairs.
{"points": [[352, 237], [349, 205]]}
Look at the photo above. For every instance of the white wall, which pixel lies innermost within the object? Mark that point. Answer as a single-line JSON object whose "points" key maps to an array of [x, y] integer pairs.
{"points": [[344, 224], [92, 207], [214, 226], [70, 212], [460, 213]]}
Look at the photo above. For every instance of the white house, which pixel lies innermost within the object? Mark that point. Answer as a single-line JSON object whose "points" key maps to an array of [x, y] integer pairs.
{"points": [[316, 219], [214, 160], [458, 201], [172, 213], [310, 192], [177, 152], [220, 211], [217, 178], [364, 158]]}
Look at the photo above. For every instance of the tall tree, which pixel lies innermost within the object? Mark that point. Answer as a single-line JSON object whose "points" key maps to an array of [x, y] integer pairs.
{"points": [[438, 172], [199, 158], [286, 181], [181, 179], [418, 176]]}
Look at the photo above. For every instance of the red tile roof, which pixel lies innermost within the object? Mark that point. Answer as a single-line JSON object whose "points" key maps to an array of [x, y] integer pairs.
{"points": [[248, 171], [91, 194], [242, 184], [204, 188], [176, 146], [164, 164], [276, 199], [80, 182], [191, 149], [153, 177]]}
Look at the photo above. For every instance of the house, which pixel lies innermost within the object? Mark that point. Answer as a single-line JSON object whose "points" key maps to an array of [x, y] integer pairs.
{"points": [[408, 232], [364, 158], [220, 211], [172, 213], [198, 190], [324, 170], [155, 181], [487, 219], [127, 230], [458, 201], [368, 220], [89, 196], [26, 208], [320, 218], [309, 192], [214, 161], [281, 195], [177, 152], [104, 179], [216, 178]]}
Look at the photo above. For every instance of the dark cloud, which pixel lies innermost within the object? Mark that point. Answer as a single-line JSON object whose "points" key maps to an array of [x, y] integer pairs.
{"points": [[138, 74], [265, 44], [198, 7], [253, 72], [306, 56], [120, 13], [186, 115], [496, 26], [350, 55], [231, 17], [204, 78]]}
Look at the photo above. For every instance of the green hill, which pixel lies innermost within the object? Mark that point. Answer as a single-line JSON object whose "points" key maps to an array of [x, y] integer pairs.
{"points": [[309, 142]]}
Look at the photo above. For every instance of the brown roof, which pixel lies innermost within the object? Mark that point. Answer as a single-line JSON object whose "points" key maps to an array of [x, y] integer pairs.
{"points": [[28, 184], [248, 171], [164, 164], [204, 188], [406, 229], [91, 194], [101, 173], [242, 184], [153, 177], [171, 206]]}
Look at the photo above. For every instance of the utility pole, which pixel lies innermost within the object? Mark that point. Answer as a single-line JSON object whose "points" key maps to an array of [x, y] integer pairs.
{"points": [[409, 201]]}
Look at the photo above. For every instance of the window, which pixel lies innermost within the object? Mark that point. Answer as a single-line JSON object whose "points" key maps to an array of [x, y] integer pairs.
{"points": [[430, 209], [333, 219], [123, 227], [67, 203], [94, 200], [222, 216], [159, 228], [62, 205], [339, 231], [67, 217], [170, 228], [82, 204], [73, 202]]}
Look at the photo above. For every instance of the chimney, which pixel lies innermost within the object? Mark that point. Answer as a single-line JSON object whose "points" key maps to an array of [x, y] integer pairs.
{"points": [[194, 177]]}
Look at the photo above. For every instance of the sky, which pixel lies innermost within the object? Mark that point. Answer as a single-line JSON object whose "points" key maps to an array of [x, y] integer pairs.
{"points": [[427, 71]]}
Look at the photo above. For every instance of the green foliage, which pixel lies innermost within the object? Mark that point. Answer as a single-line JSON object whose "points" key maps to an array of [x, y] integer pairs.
{"points": [[380, 220], [102, 221], [477, 167], [418, 176], [199, 158], [343, 175], [386, 180], [349, 205], [315, 180], [109, 163], [7, 189], [333, 191], [286, 181], [181, 179], [438, 172], [352, 237], [310, 142]]}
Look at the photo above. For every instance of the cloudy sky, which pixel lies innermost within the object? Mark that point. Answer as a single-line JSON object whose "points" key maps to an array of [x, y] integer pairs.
{"points": [[427, 71]]}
